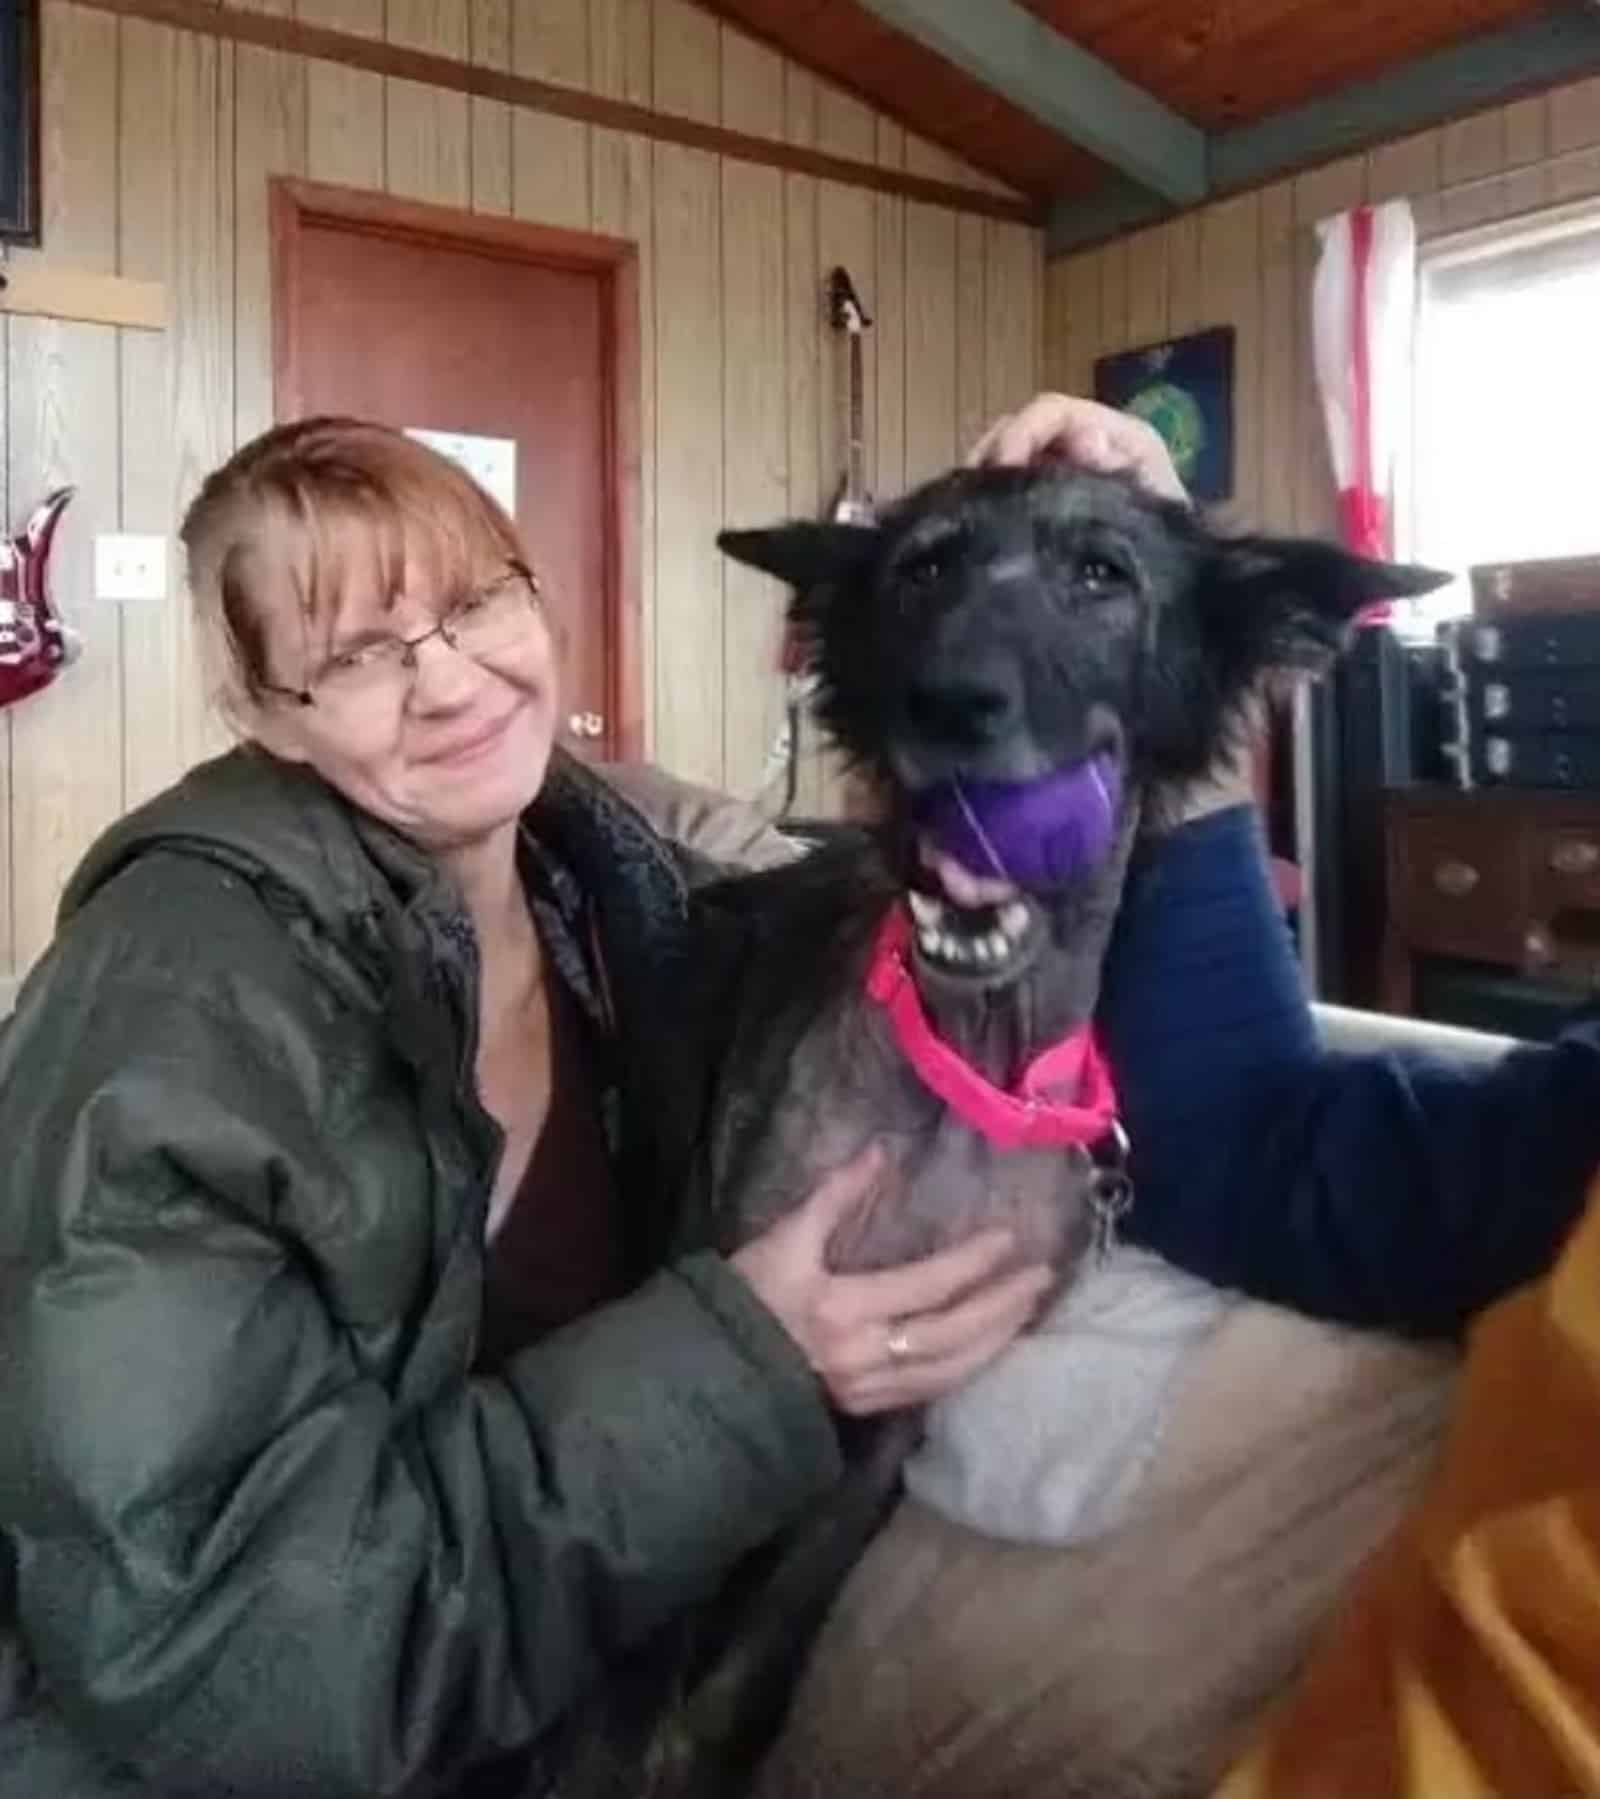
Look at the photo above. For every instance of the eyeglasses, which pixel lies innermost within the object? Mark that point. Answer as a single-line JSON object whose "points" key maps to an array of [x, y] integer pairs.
{"points": [[485, 625]]}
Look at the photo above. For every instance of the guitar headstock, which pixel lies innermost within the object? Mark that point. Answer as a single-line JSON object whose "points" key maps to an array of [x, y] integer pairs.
{"points": [[844, 304]]}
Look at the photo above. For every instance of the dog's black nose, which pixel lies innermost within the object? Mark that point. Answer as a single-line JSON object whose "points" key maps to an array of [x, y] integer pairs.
{"points": [[968, 712]]}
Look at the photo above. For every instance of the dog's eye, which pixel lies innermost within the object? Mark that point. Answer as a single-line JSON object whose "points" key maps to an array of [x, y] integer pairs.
{"points": [[1097, 575], [926, 570]]}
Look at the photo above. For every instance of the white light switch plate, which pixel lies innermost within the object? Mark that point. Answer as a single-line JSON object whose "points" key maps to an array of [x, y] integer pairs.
{"points": [[130, 567]]}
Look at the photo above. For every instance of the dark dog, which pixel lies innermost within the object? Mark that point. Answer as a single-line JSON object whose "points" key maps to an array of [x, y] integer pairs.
{"points": [[998, 633], [998, 630]]}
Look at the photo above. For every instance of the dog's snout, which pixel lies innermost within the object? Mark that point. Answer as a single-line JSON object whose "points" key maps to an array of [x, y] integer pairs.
{"points": [[966, 711]]}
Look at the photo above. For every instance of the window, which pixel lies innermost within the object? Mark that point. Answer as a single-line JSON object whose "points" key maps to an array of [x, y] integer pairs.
{"points": [[1505, 458]]}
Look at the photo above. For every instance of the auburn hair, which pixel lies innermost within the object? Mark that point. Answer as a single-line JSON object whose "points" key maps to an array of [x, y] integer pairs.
{"points": [[310, 511]]}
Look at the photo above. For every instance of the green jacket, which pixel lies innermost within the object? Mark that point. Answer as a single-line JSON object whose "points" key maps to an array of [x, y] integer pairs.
{"points": [[262, 1530]]}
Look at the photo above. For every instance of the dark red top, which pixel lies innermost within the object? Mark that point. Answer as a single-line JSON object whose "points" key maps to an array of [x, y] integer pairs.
{"points": [[559, 1252]]}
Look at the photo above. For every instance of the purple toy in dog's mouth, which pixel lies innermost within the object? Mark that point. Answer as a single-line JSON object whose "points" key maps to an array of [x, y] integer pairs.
{"points": [[1038, 835]]}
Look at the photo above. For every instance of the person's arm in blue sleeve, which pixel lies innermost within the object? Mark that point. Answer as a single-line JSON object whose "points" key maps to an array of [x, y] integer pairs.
{"points": [[1381, 1189]]}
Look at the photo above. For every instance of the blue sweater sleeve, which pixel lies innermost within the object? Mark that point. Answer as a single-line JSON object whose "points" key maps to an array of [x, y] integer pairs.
{"points": [[1381, 1189]]}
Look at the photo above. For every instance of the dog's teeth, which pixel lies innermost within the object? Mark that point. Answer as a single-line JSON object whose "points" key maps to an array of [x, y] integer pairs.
{"points": [[926, 910], [929, 941], [1014, 919], [983, 949], [999, 945]]}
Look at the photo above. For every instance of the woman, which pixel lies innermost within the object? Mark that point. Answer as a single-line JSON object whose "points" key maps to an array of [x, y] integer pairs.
{"points": [[351, 1419]]}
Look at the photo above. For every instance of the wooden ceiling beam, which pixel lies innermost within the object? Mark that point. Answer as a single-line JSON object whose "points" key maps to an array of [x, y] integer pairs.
{"points": [[1063, 86], [1538, 53], [1535, 53]]}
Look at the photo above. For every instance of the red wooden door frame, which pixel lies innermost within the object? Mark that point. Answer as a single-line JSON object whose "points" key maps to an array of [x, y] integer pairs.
{"points": [[299, 204]]}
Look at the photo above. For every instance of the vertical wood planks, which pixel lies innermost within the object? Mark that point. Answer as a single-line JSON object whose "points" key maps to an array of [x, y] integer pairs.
{"points": [[427, 134], [155, 671], [551, 155], [889, 438], [804, 326], [489, 122], [690, 695], [344, 107], [1229, 246], [269, 140], [930, 342], [622, 64], [754, 426], [67, 740]]}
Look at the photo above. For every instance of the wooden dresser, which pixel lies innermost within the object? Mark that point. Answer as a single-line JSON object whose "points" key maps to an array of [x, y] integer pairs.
{"points": [[1500, 876]]}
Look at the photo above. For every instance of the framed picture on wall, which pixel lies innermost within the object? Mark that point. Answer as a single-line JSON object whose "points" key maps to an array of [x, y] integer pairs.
{"points": [[19, 121], [1183, 387]]}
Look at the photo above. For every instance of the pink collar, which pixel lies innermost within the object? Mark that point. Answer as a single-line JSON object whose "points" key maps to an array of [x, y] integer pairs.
{"points": [[1025, 1119]]}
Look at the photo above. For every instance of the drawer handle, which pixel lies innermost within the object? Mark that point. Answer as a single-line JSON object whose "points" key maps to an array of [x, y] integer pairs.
{"points": [[1576, 856], [1455, 879], [1538, 946]]}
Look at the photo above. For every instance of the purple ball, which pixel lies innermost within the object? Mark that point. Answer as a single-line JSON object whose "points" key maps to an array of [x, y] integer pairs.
{"points": [[1040, 834]]}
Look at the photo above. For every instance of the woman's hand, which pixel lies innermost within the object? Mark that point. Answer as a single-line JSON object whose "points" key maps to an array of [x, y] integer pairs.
{"points": [[1085, 433], [900, 1337]]}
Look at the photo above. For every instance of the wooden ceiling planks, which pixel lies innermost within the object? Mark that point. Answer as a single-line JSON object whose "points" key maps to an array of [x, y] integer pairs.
{"points": [[851, 47], [1232, 62]]}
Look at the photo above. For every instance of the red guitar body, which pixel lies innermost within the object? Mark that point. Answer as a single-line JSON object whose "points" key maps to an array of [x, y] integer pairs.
{"points": [[35, 644]]}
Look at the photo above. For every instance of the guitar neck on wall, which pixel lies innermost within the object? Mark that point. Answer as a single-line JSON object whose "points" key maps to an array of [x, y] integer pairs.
{"points": [[852, 504]]}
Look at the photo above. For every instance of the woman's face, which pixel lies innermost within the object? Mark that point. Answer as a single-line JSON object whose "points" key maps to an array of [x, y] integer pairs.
{"points": [[446, 744]]}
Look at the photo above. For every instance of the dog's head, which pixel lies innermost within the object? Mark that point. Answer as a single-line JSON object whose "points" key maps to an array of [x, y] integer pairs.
{"points": [[1005, 645]]}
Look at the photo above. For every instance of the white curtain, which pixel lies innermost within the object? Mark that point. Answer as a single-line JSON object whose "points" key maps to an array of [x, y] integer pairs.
{"points": [[1363, 323]]}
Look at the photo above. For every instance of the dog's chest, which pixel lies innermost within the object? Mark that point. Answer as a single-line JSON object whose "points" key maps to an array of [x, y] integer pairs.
{"points": [[847, 1085]]}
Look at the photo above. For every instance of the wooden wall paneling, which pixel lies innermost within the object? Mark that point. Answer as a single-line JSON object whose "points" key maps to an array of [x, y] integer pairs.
{"points": [[1281, 337], [1575, 141], [1471, 153], [1525, 186], [846, 233], [1186, 275], [1404, 170], [1575, 116], [932, 444], [847, 216], [269, 140], [1011, 320], [688, 61], [551, 155], [1147, 285], [1229, 260], [972, 300], [427, 132], [622, 204], [1075, 281], [754, 416], [889, 437], [200, 367], [344, 107], [689, 469], [66, 740], [804, 330], [154, 672], [489, 121]]}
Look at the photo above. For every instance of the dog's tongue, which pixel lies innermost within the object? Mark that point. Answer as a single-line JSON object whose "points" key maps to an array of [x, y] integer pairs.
{"points": [[1039, 834]]}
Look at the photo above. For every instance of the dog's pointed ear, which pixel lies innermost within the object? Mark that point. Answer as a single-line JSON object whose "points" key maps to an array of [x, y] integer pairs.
{"points": [[805, 553], [1288, 602]]}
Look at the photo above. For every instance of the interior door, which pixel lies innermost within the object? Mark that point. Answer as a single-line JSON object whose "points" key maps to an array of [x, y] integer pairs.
{"points": [[514, 342]]}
